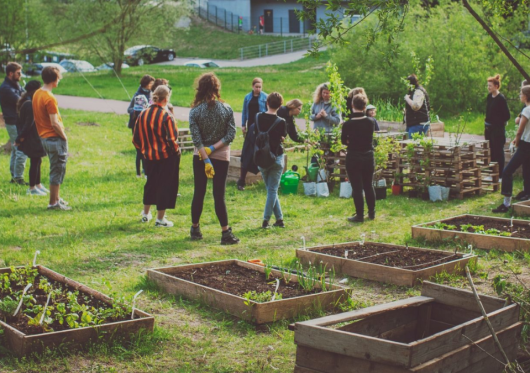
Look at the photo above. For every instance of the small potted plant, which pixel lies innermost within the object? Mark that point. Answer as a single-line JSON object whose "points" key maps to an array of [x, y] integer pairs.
{"points": [[384, 147], [397, 188]]}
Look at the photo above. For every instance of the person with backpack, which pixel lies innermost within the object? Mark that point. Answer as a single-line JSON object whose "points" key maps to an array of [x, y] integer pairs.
{"points": [[139, 102], [212, 128], [270, 131]]}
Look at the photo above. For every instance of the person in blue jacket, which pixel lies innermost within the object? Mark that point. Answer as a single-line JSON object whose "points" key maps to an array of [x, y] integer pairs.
{"points": [[255, 102]]}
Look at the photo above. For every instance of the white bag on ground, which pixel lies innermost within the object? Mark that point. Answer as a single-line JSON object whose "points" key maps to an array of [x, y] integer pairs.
{"points": [[445, 193], [381, 183], [322, 175], [310, 189], [322, 190], [435, 193], [345, 190]]}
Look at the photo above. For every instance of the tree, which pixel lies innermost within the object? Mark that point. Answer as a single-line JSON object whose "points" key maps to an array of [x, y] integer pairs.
{"points": [[391, 16], [137, 20]]}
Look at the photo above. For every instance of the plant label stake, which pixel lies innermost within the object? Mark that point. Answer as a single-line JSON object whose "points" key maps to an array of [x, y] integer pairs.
{"points": [[346, 254], [45, 307], [511, 225], [22, 299], [35, 258], [134, 303], [275, 290], [373, 235], [303, 240], [362, 239]]}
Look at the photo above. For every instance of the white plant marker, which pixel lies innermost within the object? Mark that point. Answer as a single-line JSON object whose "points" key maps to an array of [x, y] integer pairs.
{"points": [[35, 258], [22, 299], [470, 247], [275, 290], [362, 238], [373, 235], [346, 254], [45, 308], [303, 240], [134, 303], [511, 223]]}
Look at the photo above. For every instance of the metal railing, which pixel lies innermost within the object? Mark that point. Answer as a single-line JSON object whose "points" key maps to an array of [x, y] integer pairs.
{"points": [[220, 17], [279, 47]]}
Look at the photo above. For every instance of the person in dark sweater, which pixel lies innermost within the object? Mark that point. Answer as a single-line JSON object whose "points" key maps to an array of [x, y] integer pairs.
{"points": [[497, 114], [272, 174], [288, 112], [358, 135], [28, 140], [417, 108]]}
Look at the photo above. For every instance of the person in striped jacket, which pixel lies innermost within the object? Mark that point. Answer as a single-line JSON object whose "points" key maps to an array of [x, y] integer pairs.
{"points": [[155, 135]]}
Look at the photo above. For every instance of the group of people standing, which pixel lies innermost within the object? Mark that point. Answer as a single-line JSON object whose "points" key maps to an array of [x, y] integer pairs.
{"points": [[35, 130]]}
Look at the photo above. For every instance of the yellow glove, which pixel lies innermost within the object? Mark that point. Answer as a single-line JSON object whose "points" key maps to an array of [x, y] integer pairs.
{"points": [[209, 150], [208, 169]]}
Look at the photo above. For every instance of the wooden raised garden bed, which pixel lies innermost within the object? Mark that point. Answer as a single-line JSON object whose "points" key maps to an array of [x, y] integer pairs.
{"points": [[497, 233], [385, 262], [522, 208], [222, 284], [22, 338], [440, 331]]}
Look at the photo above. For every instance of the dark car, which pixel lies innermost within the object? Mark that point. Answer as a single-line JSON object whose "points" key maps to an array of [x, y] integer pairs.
{"points": [[36, 68], [142, 54]]}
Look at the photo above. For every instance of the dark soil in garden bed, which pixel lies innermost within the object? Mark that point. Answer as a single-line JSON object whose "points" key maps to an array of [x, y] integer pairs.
{"points": [[20, 322], [238, 280], [391, 256], [519, 230]]}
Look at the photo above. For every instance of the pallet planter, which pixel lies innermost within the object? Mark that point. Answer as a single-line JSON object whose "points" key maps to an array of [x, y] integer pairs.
{"points": [[22, 344], [168, 279], [383, 262], [522, 208], [450, 229], [440, 331]]}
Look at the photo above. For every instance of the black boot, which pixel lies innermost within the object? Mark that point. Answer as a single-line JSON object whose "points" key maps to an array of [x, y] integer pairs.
{"points": [[356, 218], [228, 238], [195, 233], [371, 215]]}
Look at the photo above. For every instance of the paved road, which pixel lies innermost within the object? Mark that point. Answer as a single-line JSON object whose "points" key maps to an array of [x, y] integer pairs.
{"points": [[120, 107]]}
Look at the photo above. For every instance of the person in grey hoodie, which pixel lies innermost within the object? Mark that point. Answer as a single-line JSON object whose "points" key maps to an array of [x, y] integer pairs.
{"points": [[323, 114]]}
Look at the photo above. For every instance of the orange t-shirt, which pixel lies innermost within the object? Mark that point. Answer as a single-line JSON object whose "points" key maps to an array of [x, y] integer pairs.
{"points": [[45, 104]]}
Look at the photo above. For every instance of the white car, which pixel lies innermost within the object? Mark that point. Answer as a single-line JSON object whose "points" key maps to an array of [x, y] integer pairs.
{"points": [[203, 64], [36, 68], [110, 66], [74, 66]]}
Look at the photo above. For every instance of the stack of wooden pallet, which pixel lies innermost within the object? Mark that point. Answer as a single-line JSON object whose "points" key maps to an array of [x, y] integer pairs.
{"points": [[184, 139]]}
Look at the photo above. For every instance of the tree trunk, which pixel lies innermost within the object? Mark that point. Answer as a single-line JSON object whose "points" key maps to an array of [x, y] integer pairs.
{"points": [[496, 39]]}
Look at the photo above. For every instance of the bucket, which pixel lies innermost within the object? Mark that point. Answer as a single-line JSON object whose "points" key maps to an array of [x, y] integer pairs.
{"points": [[289, 182], [312, 172]]}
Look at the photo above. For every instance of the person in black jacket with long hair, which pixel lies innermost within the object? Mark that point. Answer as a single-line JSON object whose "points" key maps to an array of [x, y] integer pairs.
{"points": [[28, 140], [358, 136], [288, 112], [497, 114]]}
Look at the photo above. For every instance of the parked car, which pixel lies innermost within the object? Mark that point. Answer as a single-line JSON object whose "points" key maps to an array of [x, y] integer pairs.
{"points": [[74, 66], [110, 66], [36, 68], [142, 54], [203, 64]]}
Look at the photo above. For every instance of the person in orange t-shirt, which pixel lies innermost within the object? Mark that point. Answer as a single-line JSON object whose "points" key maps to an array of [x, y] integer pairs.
{"points": [[50, 127]]}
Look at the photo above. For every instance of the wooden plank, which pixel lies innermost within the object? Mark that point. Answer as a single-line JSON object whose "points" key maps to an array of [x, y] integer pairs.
{"points": [[451, 315], [460, 298], [522, 208], [424, 319]]}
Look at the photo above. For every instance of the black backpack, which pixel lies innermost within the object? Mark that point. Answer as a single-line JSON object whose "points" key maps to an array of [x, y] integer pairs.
{"points": [[263, 156]]}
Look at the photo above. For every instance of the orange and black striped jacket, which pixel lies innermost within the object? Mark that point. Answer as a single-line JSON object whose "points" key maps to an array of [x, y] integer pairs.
{"points": [[155, 133]]}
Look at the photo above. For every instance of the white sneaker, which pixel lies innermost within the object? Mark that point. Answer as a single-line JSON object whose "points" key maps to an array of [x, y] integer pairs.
{"points": [[35, 192], [146, 218], [43, 189], [163, 223]]}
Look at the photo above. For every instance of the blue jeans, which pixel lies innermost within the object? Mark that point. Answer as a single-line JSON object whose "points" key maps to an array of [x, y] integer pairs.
{"points": [[420, 128], [520, 158], [17, 163], [271, 176]]}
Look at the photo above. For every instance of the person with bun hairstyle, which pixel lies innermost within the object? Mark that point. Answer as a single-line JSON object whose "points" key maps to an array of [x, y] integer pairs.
{"points": [[28, 140], [212, 128], [155, 135], [358, 135], [288, 112], [352, 93], [255, 102], [417, 108], [522, 154], [497, 114]]}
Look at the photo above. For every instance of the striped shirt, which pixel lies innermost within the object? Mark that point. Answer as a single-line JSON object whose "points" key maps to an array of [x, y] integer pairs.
{"points": [[155, 133]]}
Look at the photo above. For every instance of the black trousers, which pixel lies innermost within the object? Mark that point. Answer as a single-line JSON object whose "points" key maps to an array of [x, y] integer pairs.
{"points": [[219, 186], [360, 168], [520, 158], [497, 138], [162, 184], [34, 171], [139, 160]]}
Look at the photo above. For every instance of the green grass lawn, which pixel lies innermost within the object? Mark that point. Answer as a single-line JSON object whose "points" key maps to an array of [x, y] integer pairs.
{"points": [[294, 80], [102, 240]]}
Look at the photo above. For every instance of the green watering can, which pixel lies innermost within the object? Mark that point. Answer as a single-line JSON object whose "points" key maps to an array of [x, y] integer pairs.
{"points": [[289, 182], [312, 171]]}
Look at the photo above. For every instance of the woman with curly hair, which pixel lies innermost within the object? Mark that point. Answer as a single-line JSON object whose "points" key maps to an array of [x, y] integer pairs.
{"points": [[323, 114], [212, 128]]}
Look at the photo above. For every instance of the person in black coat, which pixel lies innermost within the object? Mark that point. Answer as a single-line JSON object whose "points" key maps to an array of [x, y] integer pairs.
{"points": [[288, 112], [497, 114], [358, 136], [28, 140]]}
